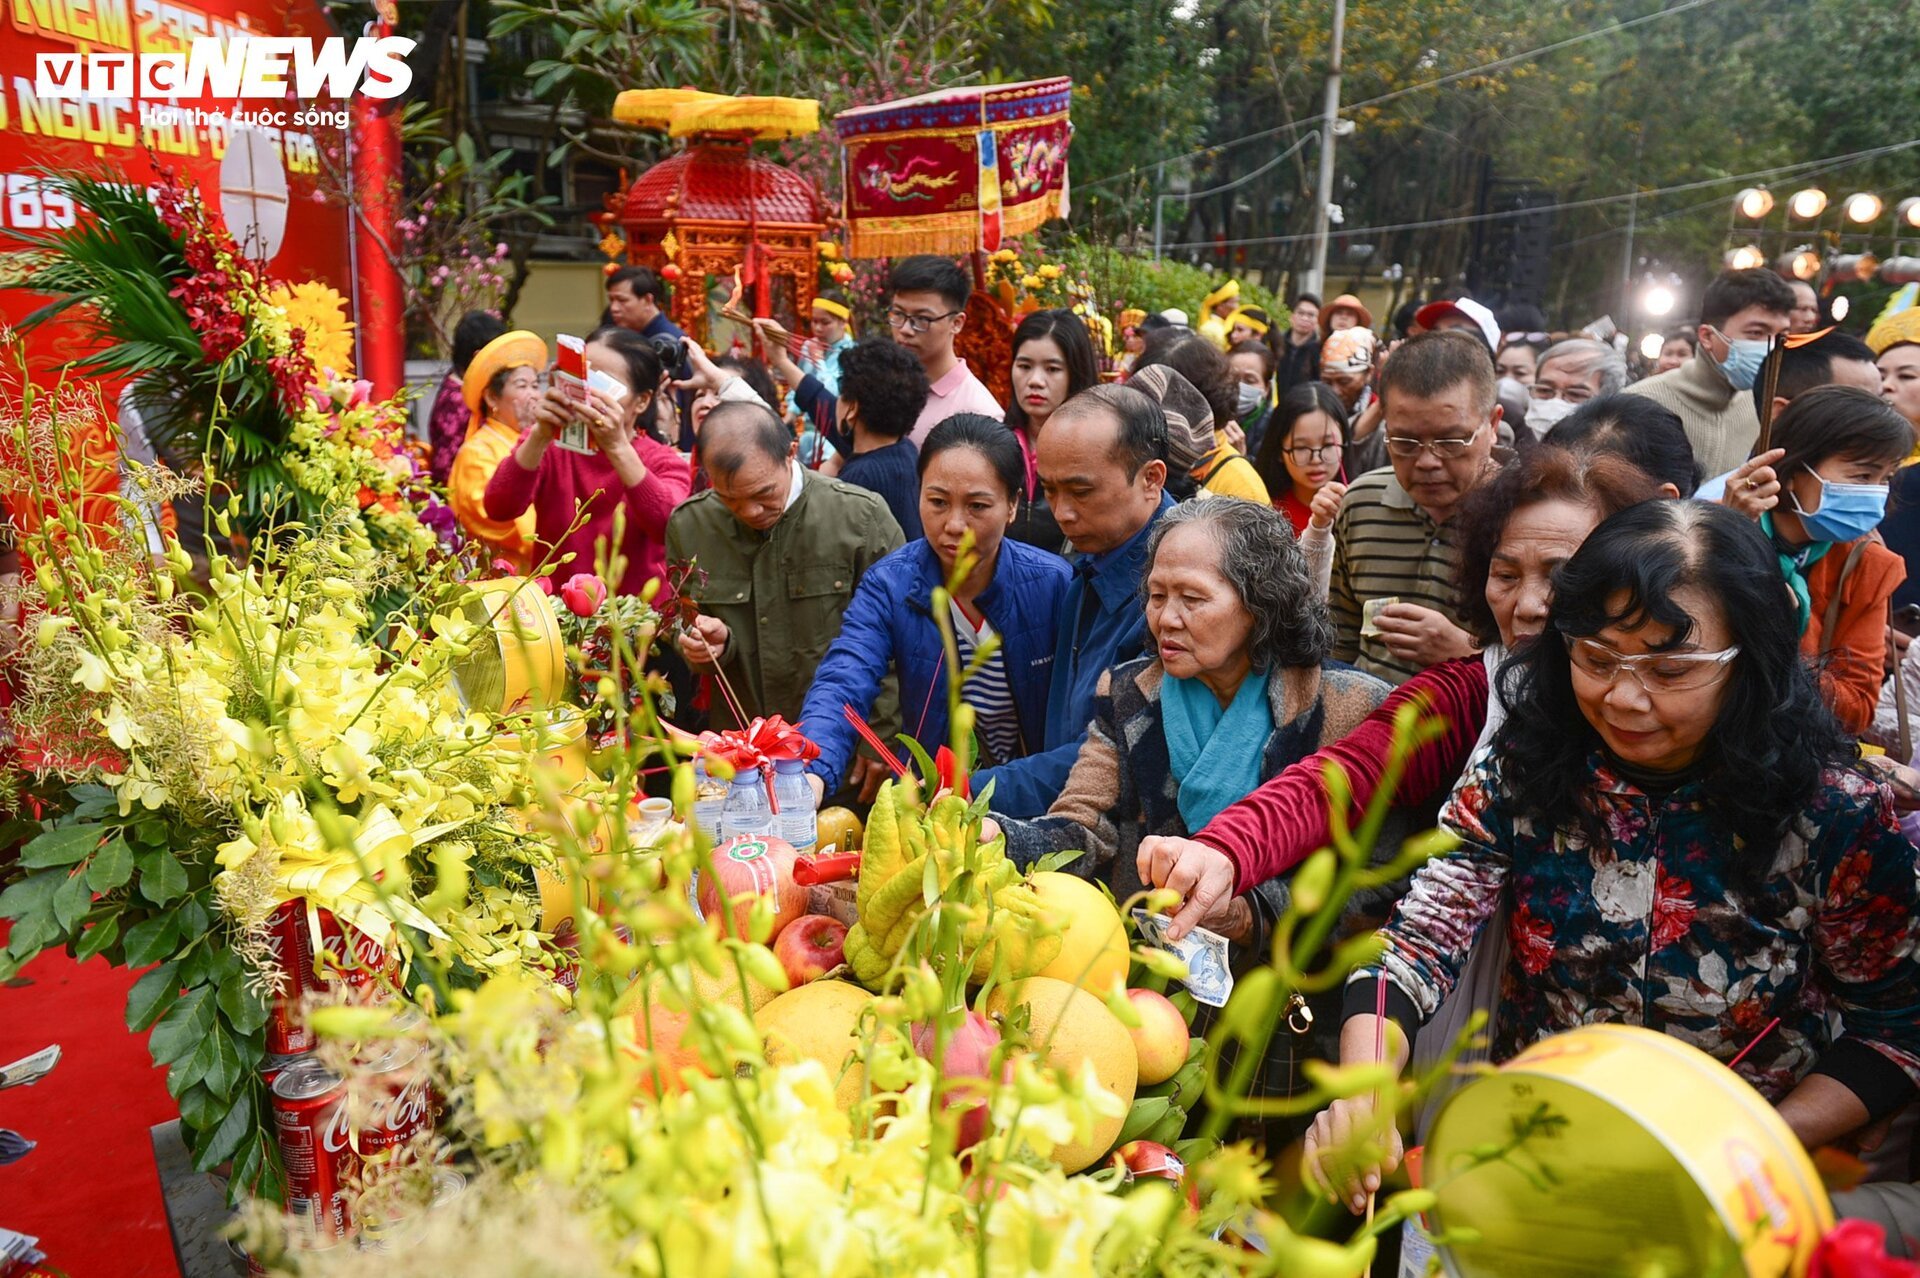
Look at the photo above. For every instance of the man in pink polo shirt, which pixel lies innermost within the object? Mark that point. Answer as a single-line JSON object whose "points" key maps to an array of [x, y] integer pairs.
{"points": [[927, 311]]}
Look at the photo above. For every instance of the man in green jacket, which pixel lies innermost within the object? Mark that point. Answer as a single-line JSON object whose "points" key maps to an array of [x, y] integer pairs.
{"points": [[777, 551]]}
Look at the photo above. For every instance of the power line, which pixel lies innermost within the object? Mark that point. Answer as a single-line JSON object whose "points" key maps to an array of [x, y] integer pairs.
{"points": [[1785, 170], [1449, 78]]}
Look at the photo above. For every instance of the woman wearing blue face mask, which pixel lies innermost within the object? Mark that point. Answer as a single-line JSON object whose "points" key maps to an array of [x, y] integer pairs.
{"points": [[1842, 446]]}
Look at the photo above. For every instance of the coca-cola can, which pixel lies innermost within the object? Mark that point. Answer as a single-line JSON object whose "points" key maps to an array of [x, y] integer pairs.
{"points": [[398, 1227], [271, 1067], [287, 1032], [310, 1125], [399, 1097], [349, 954]]}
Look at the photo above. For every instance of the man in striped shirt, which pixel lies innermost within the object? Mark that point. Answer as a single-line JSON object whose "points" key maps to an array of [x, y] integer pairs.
{"points": [[1392, 593]]}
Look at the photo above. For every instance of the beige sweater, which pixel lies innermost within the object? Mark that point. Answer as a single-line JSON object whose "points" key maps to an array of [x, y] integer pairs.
{"points": [[1720, 421]]}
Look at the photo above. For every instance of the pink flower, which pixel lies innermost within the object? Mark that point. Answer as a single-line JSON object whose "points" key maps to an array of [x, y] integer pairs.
{"points": [[1857, 1249], [583, 594], [545, 584], [362, 393]]}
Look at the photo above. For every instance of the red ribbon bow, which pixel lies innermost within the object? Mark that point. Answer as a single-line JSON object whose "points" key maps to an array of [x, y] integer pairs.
{"points": [[760, 742]]}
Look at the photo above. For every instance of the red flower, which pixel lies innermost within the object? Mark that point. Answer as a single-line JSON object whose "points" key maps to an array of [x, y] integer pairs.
{"points": [[1673, 908], [1532, 940], [1857, 1249], [583, 594]]}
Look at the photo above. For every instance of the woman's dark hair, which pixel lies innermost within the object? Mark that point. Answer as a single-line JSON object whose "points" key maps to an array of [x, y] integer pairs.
{"points": [[1257, 348], [1839, 421], [886, 382], [1067, 331], [1200, 362], [1762, 761], [475, 329], [754, 374], [1634, 427], [1266, 567], [1307, 397], [985, 436], [1605, 482], [643, 367]]}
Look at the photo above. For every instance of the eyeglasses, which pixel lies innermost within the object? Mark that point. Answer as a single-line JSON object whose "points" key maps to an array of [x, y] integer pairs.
{"points": [[1529, 338], [1655, 672], [897, 318], [1449, 449], [1303, 454]]}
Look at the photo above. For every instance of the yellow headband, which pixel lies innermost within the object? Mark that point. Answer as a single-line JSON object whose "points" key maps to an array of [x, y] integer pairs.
{"points": [[832, 308], [1243, 317]]}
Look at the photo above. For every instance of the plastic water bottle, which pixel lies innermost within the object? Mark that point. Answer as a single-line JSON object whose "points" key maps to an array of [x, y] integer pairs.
{"points": [[796, 821], [748, 811], [709, 801]]}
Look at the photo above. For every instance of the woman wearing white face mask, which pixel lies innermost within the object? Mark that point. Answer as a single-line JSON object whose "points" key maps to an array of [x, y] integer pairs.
{"points": [[1841, 446]]}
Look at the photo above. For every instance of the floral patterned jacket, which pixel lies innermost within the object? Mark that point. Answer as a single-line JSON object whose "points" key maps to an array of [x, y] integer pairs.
{"points": [[1651, 930]]}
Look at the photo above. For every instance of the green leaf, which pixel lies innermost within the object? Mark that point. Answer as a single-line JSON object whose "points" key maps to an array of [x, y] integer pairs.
{"points": [[929, 775], [244, 1009], [179, 1032], [111, 866], [64, 846], [200, 1108], [31, 895], [1059, 860], [151, 939], [71, 901], [214, 1061], [152, 995], [96, 939], [162, 877], [192, 918], [151, 832], [225, 1140]]}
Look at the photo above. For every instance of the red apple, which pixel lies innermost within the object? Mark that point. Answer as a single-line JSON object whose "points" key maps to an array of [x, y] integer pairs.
{"points": [[1161, 1040], [810, 947], [968, 1061], [1144, 1159]]}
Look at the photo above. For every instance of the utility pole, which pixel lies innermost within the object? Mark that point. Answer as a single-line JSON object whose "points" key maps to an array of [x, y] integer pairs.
{"points": [[1323, 191]]}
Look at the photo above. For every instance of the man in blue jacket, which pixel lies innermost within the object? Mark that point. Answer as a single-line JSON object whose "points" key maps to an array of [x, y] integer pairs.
{"points": [[1103, 465]]}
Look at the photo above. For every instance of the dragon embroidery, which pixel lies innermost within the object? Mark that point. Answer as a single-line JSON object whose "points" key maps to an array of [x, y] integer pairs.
{"points": [[911, 182], [1032, 161]]}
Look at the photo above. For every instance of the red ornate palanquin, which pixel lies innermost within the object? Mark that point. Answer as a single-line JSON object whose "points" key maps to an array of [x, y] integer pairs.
{"points": [[714, 208]]}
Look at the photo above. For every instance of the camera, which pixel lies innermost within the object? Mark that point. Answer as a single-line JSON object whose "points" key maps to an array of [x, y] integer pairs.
{"points": [[667, 348]]}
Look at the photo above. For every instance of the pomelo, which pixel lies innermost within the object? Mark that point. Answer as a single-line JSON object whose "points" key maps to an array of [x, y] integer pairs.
{"points": [[658, 1023], [1069, 1026], [819, 1021], [1093, 942]]}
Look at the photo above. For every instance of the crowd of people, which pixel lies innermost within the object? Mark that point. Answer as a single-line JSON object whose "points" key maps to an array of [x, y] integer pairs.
{"points": [[1657, 620]]}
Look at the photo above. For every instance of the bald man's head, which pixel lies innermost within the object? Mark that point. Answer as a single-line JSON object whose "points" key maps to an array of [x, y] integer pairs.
{"points": [[748, 453]]}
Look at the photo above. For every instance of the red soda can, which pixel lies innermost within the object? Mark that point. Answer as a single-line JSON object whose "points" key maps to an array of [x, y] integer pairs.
{"points": [[349, 955], [310, 1124], [400, 1098], [270, 1068], [566, 958], [287, 1032]]}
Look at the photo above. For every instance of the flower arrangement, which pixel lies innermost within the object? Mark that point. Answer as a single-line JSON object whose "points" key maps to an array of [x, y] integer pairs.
{"points": [[1029, 285], [598, 627]]}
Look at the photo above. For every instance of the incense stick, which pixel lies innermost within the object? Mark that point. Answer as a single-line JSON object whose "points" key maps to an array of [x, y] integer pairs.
{"points": [[1775, 358], [1755, 1043], [872, 738]]}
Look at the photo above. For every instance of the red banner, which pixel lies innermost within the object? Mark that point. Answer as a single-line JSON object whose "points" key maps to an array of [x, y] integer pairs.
{"points": [[955, 171]]}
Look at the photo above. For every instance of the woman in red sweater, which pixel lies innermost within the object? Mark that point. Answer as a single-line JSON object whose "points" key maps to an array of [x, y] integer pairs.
{"points": [[576, 496], [1514, 531]]}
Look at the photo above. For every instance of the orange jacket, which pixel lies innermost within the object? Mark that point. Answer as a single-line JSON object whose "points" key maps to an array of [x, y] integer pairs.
{"points": [[1854, 664]]}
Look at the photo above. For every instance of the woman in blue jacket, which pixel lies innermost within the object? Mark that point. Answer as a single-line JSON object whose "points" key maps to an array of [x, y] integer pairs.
{"points": [[972, 477]]}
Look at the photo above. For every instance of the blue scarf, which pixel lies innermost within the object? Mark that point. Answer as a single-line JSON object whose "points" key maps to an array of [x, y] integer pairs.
{"points": [[1215, 754]]}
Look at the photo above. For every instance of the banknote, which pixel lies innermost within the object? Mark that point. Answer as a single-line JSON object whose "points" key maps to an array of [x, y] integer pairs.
{"points": [[1209, 977]]}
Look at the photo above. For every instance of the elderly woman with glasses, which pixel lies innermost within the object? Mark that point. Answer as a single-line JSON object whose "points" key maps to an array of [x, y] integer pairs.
{"points": [[1236, 687], [1681, 838]]}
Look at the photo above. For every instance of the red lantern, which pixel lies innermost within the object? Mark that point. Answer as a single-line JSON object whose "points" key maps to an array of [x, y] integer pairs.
{"points": [[608, 268], [670, 273]]}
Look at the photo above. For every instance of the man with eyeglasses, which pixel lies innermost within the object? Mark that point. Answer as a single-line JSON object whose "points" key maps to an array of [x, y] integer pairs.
{"points": [[1568, 375], [1392, 592], [926, 311]]}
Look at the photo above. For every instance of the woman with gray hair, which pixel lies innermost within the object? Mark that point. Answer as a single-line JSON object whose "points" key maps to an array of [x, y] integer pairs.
{"points": [[1236, 686]]}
